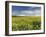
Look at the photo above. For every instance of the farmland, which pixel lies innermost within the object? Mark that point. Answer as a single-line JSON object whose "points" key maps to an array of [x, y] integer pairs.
{"points": [[21, 23]]}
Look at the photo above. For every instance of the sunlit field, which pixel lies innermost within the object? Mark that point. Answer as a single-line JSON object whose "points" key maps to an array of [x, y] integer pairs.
{"points": [[21, 23]]}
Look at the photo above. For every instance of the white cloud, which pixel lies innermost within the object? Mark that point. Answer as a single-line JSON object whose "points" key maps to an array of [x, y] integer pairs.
{"points": [[21, 15], [27, 13], [37, 12]]}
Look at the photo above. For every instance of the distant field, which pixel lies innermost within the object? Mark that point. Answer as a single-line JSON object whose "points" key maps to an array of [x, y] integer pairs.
{"points": [[21, 23]]}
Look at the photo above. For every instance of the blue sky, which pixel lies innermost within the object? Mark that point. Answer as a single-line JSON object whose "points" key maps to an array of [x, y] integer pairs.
{"points": [[26, 11]]}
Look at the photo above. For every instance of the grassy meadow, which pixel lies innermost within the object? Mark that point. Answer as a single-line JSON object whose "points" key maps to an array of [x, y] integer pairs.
{"points": [[21, 23]]}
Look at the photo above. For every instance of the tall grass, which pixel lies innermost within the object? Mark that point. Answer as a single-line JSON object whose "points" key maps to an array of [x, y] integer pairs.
{"points": [[20, 23]]}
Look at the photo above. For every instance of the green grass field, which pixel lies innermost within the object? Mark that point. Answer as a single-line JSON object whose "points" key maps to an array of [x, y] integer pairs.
{"points": [[21, 23]]}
